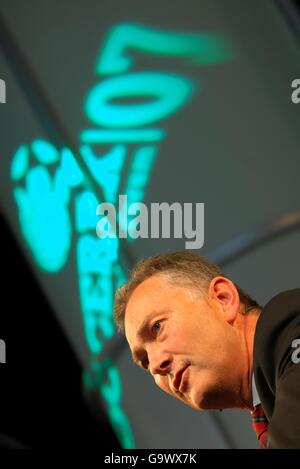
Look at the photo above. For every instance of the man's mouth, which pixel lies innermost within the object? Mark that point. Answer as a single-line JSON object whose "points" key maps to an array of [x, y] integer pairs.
{"points": [[178, 376]]}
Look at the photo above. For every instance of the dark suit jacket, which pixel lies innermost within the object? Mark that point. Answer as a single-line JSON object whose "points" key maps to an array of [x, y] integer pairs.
{"points": [[276, 375]]}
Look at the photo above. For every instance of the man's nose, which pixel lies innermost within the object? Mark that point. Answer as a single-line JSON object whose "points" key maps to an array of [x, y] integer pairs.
{"points": [[160, 364]]}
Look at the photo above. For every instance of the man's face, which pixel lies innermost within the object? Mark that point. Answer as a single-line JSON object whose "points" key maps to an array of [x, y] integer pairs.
{"points": [[186, 343]]}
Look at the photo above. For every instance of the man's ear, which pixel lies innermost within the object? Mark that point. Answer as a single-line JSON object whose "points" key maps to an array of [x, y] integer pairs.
{"points": [[223, 290]]}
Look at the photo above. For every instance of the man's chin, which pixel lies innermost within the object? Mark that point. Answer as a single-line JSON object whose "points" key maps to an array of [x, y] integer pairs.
{"points": [[207, 400]]}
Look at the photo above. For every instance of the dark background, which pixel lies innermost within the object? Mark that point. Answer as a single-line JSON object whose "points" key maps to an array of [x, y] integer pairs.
{"points": [[41, 400]]}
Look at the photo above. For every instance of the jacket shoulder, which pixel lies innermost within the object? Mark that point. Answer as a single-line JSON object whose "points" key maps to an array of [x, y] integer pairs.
{"points": [[277, 327]]}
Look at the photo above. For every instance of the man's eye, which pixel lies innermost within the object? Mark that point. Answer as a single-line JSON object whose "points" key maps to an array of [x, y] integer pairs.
{"points": [[156, 327]]}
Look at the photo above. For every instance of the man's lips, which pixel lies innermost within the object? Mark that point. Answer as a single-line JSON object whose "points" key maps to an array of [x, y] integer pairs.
{"points": [[178, 376]]}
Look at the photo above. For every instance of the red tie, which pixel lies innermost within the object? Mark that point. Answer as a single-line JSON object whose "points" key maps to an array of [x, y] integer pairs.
{"points": [[260, 425]]}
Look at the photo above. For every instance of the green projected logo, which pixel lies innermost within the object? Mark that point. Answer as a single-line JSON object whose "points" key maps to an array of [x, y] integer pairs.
{"points": [[43, 201], [126, 110]]}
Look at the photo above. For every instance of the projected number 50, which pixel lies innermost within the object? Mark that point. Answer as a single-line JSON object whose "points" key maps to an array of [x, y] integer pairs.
{"points": [[49, 181]]}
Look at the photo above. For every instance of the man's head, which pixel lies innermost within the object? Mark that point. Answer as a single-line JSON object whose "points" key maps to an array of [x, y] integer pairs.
{"points": [[184, 323]]}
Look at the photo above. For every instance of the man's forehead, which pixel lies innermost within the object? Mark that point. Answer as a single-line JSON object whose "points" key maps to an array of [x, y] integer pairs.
{"points": [[157, 283], [146, 296]]}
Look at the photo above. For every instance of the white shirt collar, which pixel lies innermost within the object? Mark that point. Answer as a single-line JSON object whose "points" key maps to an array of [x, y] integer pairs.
{"points": [[255, 396]]}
